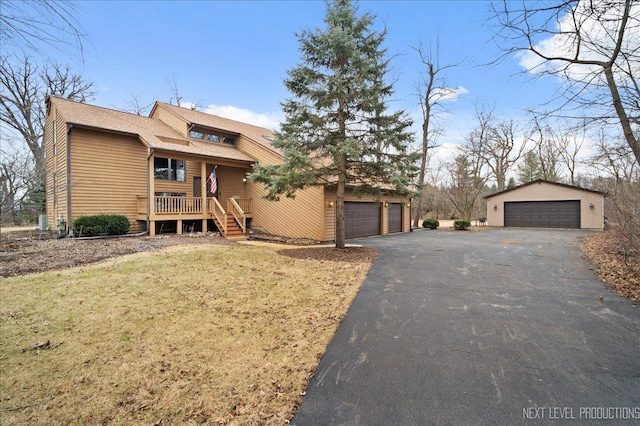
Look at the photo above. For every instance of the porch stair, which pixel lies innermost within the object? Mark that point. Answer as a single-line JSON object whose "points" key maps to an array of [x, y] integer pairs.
{"points": [[234, 232]]}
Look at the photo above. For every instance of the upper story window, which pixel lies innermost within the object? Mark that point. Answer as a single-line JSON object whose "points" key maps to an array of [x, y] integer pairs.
{"points": [[169, 169], [212, 135], [196, 134]]}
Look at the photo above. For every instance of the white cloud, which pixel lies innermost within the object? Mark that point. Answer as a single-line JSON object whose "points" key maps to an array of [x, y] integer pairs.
{"points": [[450, 93], [268, 120], [597, 35]]}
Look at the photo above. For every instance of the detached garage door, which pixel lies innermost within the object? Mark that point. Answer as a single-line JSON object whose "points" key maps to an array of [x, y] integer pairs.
{"points": [[542, 214], [361, 219], [395, 218]]}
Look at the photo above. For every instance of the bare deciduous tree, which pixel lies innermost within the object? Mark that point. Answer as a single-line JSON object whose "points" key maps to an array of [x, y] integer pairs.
{"points": [[29, 24], [16, 172], [571, 143], [137, 106], [432, 91], [496, 144], [502, 151], [593, 46], [619, 176], [547, 147], [24, 87]]}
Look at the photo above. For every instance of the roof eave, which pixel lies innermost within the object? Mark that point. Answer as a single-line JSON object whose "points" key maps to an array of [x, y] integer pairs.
{"points": [[486, 197]]}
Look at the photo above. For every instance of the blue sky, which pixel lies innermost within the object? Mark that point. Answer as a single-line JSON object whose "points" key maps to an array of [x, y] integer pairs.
{"points": [[236, 54], [231, 57]]}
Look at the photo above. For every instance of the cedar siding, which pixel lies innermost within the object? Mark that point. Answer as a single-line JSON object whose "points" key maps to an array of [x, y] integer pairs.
{"points": [[301, 217], [109, 169], [172, 120], [56, 173], [107, 174]]}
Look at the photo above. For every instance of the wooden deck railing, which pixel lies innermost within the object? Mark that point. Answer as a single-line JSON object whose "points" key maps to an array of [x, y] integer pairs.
{"points": [[213, 206], [245, 205], [238, 213], [240, 208], [178, 205]]}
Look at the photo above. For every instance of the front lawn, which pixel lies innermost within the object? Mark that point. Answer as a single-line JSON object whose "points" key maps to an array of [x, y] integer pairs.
{"points": [[189, 334]]}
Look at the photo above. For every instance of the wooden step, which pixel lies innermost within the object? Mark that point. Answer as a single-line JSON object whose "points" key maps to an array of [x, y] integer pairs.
{"points": [[234, 232]]}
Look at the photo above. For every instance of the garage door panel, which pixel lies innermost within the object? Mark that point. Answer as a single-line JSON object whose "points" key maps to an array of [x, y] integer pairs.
{"points": [[542, 214], [361, 219], [395, 218]]}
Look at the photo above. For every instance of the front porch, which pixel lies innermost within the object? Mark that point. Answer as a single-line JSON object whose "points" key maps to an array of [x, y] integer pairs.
{"points": [[231, 220]]}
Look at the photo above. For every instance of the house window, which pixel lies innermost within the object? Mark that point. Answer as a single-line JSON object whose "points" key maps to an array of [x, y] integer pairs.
{"points": [[196, 134], [229, 140], [213, 138], [169, 169]]}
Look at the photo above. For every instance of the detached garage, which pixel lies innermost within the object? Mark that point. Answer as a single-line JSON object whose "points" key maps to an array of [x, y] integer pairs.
{"points": [[545, 204]]}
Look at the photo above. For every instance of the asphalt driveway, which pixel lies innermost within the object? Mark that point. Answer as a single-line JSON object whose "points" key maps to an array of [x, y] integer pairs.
{"points": [[499, 327]]}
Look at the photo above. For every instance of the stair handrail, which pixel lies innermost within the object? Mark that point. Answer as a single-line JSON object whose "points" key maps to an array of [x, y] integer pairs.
{"points": [[219, 214], [238, 214]]}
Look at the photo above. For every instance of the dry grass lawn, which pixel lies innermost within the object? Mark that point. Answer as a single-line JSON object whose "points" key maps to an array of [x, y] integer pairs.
{"points": [[186, 335]]}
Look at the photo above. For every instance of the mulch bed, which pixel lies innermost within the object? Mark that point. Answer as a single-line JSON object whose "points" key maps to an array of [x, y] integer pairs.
{"points": [[21, 254]]}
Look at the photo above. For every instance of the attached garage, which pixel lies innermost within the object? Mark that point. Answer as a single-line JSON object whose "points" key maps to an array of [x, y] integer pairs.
{"points": [[545, 204], [395, 218], [362, 219]]}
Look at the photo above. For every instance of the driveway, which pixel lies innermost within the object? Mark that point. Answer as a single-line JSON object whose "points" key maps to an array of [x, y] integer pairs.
{"points": [[500, 327]]}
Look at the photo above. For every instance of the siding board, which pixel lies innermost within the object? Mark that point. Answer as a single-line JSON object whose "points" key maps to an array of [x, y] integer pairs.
{"points": [[108, 173]]}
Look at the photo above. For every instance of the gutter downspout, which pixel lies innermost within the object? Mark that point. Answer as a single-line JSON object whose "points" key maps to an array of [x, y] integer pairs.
{"points": [[149, 188], [69, 228]]}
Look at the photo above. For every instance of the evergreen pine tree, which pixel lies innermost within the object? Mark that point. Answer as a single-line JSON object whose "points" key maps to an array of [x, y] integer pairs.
{"points": [[338, 129], [530, 168]]}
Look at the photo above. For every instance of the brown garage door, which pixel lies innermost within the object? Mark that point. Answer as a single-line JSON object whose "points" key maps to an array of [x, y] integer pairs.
{"points": [[395, 218], [361, 219], [543, 214]]}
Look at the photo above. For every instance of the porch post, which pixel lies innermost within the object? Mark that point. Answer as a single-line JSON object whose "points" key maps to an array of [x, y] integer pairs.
{"points": [[151, 205], [203, 193]]}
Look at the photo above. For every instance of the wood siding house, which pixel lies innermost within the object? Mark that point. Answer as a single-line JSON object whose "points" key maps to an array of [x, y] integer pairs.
{"points": [[155, 171]]}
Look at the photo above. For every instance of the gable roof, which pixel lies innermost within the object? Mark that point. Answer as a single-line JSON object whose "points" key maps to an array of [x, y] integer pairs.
{"points": [[564, 185], [151, 132], [257, 134]]}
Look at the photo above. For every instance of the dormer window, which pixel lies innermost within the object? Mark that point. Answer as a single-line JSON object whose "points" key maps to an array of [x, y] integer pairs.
{"points": [[212, 135], [196, 134]]}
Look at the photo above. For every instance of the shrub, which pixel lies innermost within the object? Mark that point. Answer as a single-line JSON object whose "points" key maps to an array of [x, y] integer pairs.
{"points": [[103, 224], [461, 225], [430, 223]]}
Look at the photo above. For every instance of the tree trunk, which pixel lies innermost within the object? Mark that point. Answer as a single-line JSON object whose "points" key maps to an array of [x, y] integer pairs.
{"points": [[622, 114], [340, 222]]}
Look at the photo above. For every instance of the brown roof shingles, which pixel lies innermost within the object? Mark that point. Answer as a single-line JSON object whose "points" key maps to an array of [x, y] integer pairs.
{"points": [[256, 133], [150, 131]]}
